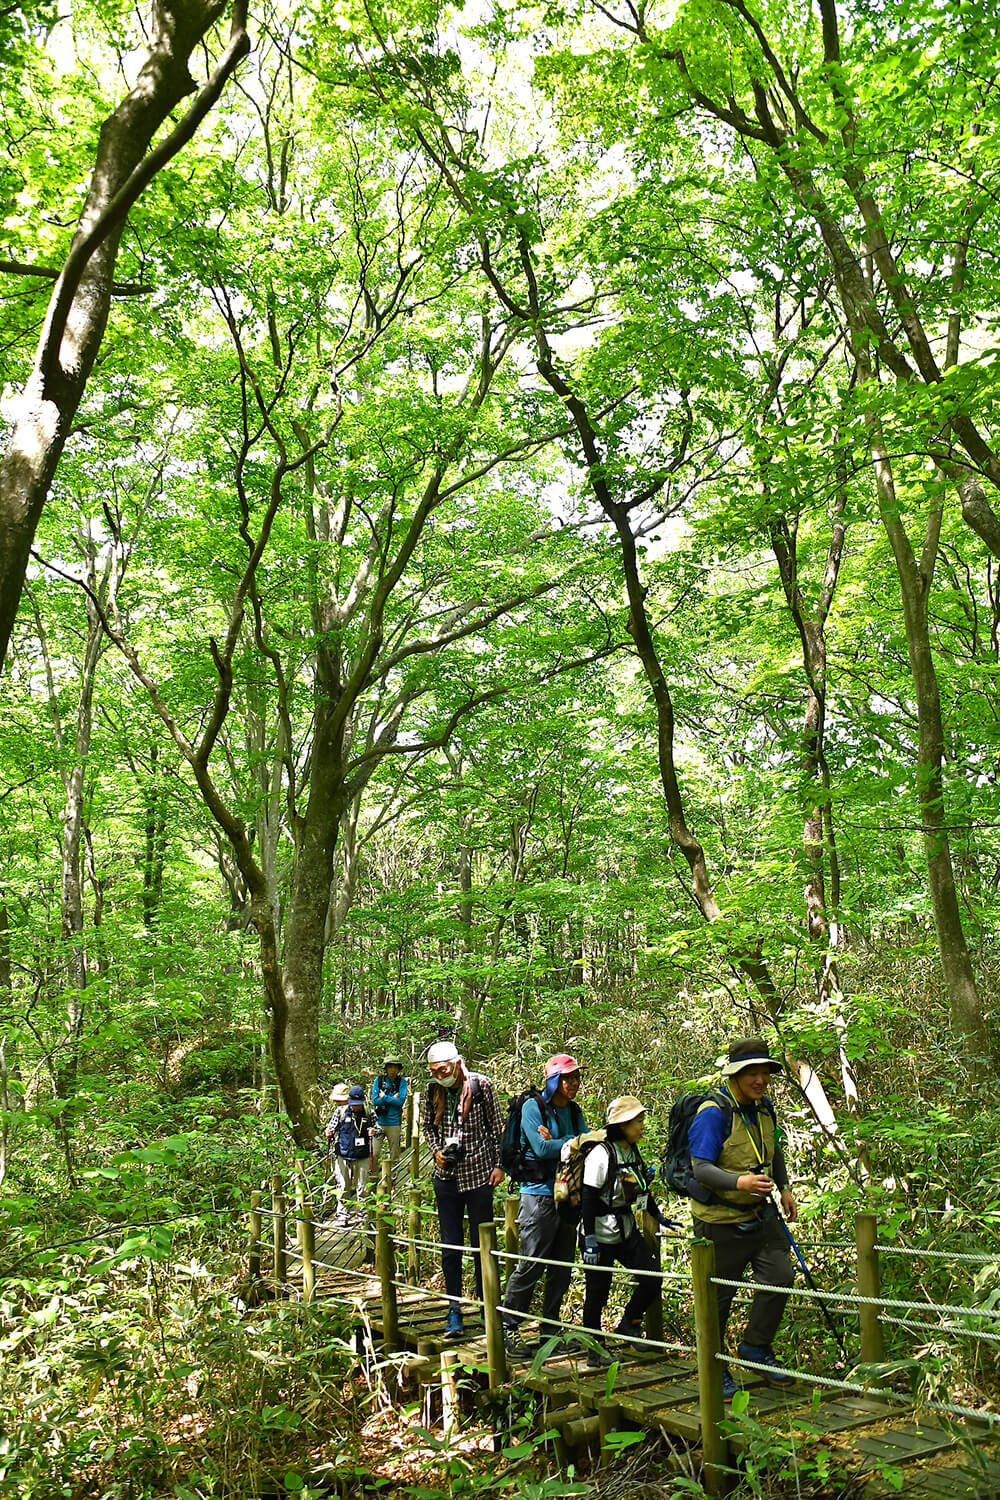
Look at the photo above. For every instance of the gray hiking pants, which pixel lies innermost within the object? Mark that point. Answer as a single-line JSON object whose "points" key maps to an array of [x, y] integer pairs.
{"points": [[765, 1249], [543, 1233]]}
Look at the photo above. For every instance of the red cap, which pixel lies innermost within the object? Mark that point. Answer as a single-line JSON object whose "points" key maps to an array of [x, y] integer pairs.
{"points": [[561, 1063]]}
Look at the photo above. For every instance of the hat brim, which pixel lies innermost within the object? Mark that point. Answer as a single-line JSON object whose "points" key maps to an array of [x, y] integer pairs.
{"points": [[730, 1069], [629, 1111]]}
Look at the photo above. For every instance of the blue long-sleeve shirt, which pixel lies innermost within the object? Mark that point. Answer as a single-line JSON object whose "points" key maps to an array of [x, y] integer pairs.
{"points": [[564, 1121], [388, 1102]]}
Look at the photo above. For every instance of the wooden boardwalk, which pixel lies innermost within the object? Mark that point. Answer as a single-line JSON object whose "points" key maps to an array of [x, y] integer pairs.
{"points": [[871, 1446], [859, 1436]]}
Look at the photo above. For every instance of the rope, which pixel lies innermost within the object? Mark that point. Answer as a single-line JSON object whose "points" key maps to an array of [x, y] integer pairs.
{"points": [[989, 1417], [539, 1260], [595, 1333], [964, 1333], [847, 1297], [956, 1255], [478, 1303]]}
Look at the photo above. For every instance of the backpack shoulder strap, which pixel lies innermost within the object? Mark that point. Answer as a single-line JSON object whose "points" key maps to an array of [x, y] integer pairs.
{"points": [[723, 1101]]}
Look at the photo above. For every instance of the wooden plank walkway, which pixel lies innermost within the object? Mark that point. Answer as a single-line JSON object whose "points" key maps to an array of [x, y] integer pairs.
{"points": [[863, 1435]]}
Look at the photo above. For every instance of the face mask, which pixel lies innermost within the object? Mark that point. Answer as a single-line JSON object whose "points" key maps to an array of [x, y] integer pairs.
{"points": [[449, 1080]]}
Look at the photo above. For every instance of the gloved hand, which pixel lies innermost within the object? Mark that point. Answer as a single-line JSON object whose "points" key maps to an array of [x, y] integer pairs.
{"points": [[591, 1250], [649, 1173]]}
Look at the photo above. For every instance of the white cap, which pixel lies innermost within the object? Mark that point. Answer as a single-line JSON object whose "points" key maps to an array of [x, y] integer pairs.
{"points": [[439, 1052]]}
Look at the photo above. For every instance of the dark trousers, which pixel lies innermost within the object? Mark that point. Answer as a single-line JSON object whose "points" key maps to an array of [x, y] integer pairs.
{"points": [[452, 1207], [765, 1249], [545, 1235], [637, 1256]]}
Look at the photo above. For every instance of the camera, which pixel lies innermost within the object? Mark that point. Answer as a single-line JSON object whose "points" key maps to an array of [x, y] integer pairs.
{"points": [[452, 1151]]}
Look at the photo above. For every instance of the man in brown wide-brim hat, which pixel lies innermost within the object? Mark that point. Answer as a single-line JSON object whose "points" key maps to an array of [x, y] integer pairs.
{"points": [[736, 1155]]}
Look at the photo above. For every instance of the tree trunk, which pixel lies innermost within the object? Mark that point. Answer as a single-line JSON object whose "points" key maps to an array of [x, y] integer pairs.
{"points": [[78, 310], [915, 579]]}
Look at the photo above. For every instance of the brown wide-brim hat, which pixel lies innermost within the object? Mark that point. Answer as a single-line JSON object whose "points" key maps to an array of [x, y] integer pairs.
{"points": [[620, 1111], [749, 1052]]}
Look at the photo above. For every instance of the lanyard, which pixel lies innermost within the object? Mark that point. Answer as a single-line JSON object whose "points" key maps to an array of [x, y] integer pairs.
{"points": [[757, 1142]]}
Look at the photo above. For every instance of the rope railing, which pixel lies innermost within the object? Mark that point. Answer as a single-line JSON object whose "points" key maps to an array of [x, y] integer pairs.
{"points": [[851, 1299], [960, 1257], [960, 1333], [846, 1299]]}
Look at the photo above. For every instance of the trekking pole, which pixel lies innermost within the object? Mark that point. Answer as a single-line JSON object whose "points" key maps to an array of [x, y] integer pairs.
{"points": [[811, 1283]]}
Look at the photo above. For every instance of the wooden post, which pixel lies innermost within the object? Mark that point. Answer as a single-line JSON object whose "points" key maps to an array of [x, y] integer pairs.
{"points": [[305, 1234], [869, 1285], [654, 1313], [714, 1447], [413, 1226], [278, 1226], [496, 1357], [385, 1264], [609, 1416], [449, 1394], [555, 1402], [415, 1143], [255, 1228]]}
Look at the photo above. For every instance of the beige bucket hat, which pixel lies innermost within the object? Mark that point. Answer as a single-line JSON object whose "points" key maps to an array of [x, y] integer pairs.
{"points": [[620, 1111]]}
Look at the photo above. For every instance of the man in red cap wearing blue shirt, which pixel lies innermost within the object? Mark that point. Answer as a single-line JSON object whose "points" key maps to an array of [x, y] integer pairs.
{"points": [[546, 1125]]}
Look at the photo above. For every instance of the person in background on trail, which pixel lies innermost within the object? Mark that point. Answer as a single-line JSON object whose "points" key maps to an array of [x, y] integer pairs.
{"points": [[339, 1095], [462, 1127], [615, 1188], [741, 1167], [545, 1234], [350, 1130], [389, 1092]]}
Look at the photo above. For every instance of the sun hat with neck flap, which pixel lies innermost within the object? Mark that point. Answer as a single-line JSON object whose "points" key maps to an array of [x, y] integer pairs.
{"points": [[555, 1069]]}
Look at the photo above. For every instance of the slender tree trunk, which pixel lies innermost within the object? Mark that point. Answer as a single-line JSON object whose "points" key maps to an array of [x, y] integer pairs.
{"points": [[8, 1051], [915, 580]]}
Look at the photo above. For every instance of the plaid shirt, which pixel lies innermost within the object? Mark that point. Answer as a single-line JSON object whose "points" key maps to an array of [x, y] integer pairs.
{"points": [[479, 1132]]}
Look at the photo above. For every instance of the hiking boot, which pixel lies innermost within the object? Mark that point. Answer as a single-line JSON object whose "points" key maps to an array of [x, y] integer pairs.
{"points": [[514, 1345], [729, 1386], [631, 1333], [453, 1325], [599, 1359], [765, 1362]]}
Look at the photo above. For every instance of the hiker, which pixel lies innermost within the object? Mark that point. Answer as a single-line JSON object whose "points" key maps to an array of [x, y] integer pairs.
{"points": [[742, 1166], [389, 1092], [462, 1127], [339, 1095], [546, 1125], [350, 1131], [615, 1188]]}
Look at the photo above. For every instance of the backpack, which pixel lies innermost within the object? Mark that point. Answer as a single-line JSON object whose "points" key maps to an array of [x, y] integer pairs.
{"points": [[514, 1158], [675, 1164], [568, 1188], [349, 1130]]}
